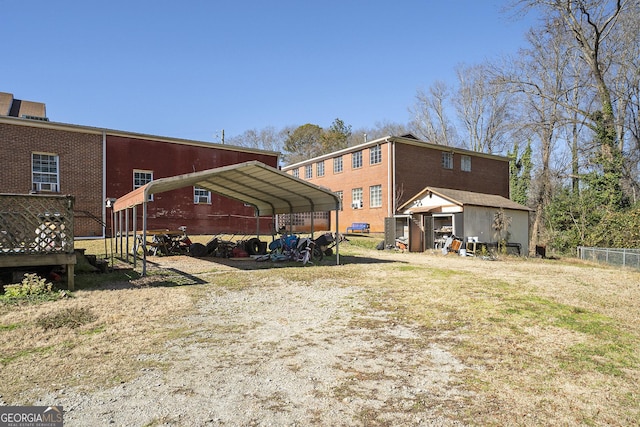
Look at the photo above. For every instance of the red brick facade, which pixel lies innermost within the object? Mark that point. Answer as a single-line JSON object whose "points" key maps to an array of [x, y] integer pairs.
{"points": [[407, 166], [84, 174], [80, 165]]}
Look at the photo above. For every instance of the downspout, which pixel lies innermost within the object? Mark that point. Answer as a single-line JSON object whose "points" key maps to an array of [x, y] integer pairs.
{"points": [[392, 179], [104, 184]]}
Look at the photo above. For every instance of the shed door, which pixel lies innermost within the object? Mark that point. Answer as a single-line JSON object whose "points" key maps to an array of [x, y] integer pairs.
{"points": [[416, 234], [428, 232]]}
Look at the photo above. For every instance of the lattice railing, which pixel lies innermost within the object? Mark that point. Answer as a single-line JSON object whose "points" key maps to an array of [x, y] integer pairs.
{"points": [[36, 224]]}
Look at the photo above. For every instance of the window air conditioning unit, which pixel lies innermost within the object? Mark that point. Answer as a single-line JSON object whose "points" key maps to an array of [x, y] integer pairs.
{"points": [[45, 186], [356, 204]]}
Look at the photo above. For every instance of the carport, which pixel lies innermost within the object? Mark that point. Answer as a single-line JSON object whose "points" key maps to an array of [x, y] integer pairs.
{"points": [[269, 190]]}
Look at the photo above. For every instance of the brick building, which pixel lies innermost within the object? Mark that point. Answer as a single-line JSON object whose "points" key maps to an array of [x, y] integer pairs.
{"points": [[373, 179], [95, 164], [43, 157]]}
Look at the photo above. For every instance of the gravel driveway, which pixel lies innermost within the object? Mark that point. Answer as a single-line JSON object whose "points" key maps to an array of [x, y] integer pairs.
{"points": [[285, 354]]}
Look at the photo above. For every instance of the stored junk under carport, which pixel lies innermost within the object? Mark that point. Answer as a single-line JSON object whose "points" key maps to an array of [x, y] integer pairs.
{"points": [[269, 190]]}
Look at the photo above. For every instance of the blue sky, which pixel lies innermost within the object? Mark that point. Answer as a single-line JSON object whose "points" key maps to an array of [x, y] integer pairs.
{"points": [[189, 69]]}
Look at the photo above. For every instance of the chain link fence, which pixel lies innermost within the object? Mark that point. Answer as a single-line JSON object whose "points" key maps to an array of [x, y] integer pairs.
{"points": [[614, 256]]}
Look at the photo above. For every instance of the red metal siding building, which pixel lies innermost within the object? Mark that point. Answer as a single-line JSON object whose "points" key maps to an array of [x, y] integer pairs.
{"points": [[156, 157]]}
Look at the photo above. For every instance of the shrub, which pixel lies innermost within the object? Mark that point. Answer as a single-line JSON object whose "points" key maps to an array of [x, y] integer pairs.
{"points": [[32, 287]]}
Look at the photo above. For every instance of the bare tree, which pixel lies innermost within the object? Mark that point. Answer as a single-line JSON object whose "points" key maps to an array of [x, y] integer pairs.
{"points": [[430, 120], [601, 32], [379, 130], [483, 109], [266, 139]]}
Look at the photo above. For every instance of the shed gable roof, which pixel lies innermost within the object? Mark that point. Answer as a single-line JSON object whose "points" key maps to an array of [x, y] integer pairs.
{"points": [[466, 198]]}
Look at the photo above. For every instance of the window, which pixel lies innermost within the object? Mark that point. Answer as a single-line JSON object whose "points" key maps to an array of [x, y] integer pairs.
{"points": [[45, 172], [375, 155], [201, 196], [340, 196], [337, 164], [320, 168], [141, 178], [356, 160], [308, 171], [295, 173], [465, 163], [375, 196], [356, 198], [447, 160]]}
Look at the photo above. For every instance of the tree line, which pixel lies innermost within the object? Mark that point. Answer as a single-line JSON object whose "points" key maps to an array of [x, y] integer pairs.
{"points": [[565, 109]]}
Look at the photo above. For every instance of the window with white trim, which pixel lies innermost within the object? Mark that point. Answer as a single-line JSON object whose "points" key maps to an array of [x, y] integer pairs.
{"points": [[296, 173], [356, 198], [375, 196], [201, 196], [308, 171], [45, 172], [375, 155], [320, 168], [447, 160], [340, 196], [465, 163], [142, 177], [337, 164], [356, 160]]}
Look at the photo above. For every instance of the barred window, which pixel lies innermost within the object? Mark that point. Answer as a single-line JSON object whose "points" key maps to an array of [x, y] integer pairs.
{"points": [[447, 160], [320, 168], [375, 155], [337, 164], [375, 196], [356, 160], [142, 177], [340, 196], [296, 173], [356, 198], [465, 163], [201, 196], [308, 171], [45, 172]]}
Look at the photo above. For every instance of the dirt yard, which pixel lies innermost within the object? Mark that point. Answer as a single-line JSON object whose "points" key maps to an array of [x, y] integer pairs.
{"points": [[388, 339]]}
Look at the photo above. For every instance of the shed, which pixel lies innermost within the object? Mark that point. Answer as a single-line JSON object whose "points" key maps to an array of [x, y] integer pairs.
{"points": [[269, 190], [439, 213]]}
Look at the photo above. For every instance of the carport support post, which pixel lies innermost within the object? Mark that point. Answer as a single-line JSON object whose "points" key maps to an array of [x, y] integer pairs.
{"points": [[120, 232], [144, 236], [312, 212], [126, 239], [135, 241], [257, 212], [337, 239]]}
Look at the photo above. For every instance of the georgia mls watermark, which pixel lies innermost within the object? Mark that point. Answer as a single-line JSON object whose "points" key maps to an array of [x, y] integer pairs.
{"points": [[31, 416]]}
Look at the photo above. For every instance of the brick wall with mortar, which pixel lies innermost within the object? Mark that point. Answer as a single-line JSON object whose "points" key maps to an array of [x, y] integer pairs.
{"points": [[416, 167], [80, 167]]}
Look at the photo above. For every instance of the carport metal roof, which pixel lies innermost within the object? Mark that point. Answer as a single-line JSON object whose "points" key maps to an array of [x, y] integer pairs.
{"points": [[269, 190]]}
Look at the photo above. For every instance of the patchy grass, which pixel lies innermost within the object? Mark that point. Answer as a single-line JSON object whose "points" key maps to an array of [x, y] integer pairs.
{"points": [[70, 317], [543, 342]]}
